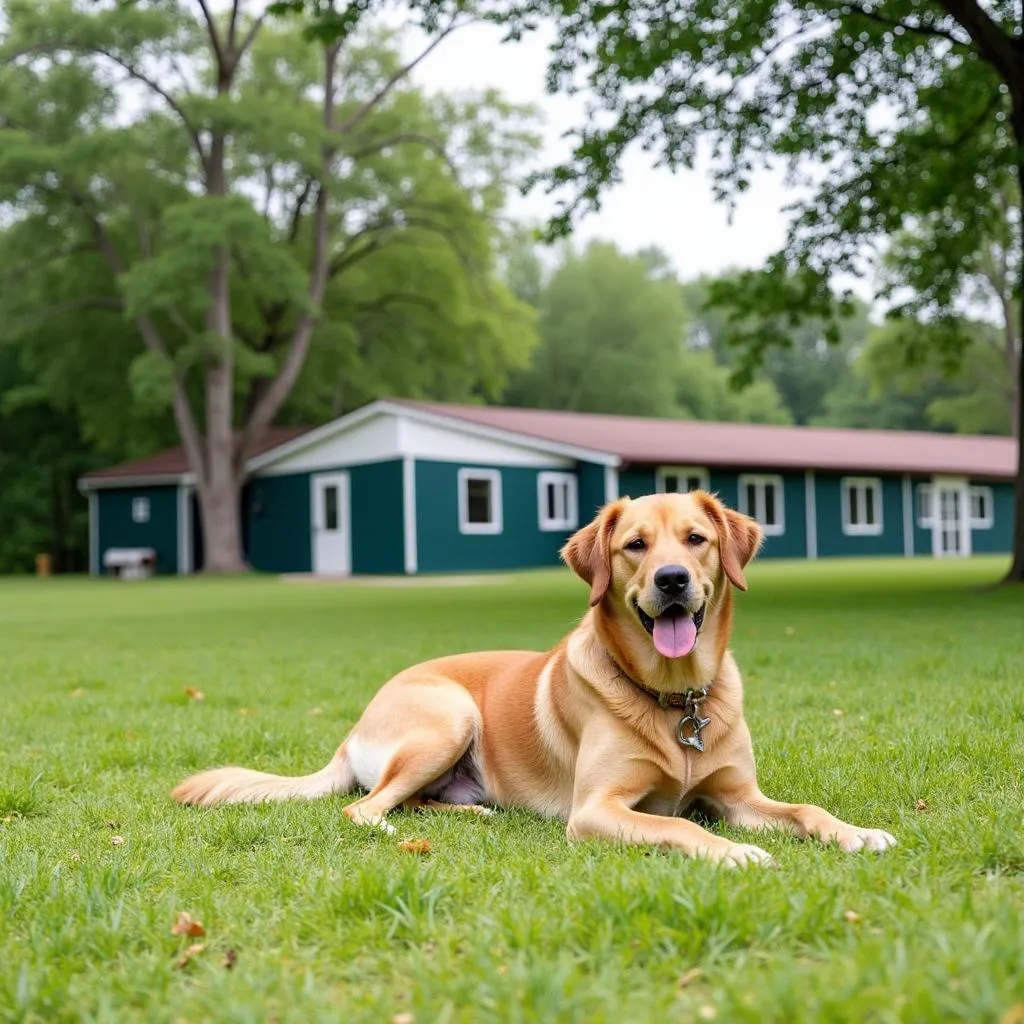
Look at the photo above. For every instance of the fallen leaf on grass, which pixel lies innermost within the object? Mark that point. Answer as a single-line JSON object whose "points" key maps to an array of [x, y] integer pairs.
{"points": [[315, 711], [7, 819], [187, 925], [920, 805], [186, 957], [193, 694], [838, 712], [117, 840], [76, 693], [403, 1018], [415, 846], [852, 916], [247, 711], [230, 959], [707, 1012], [1014, 1015], [690, 977]]}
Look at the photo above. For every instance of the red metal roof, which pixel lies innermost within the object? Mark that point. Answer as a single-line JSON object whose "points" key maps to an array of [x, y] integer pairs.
{"points": [[173, 461], [642, 440], [757, 446]]}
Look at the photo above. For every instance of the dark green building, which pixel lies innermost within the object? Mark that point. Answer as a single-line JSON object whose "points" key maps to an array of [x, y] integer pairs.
{"points": [[405, 487]]}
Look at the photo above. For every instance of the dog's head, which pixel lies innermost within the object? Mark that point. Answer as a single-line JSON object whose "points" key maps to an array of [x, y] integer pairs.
{"points": [[658, 563]]}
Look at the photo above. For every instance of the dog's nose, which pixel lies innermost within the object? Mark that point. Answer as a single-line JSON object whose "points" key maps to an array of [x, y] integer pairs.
{"points": [[672, 579]]}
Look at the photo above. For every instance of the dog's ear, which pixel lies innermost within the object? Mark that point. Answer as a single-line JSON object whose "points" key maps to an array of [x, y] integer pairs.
{"points": [[739, 537], [588, 551]]}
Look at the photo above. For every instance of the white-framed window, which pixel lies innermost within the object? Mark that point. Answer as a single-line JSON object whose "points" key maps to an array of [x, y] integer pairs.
{"points": [[680, 479], [862, 506], [925, 506], [479, 501], [761, 498], [557, 506], [981, 508], [140, 510]]}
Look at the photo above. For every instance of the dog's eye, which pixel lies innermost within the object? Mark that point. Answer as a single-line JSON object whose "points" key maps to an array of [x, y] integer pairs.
{"points": [[695, 540], [636, 544]]}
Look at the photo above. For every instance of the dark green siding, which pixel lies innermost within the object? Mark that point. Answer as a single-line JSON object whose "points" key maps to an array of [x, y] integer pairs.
{"points": [[278, 523], [832, 540], [636, 481], [378, 530], [724, 484], [442, 548], [590, 484], [999, 537], [117, 530]]}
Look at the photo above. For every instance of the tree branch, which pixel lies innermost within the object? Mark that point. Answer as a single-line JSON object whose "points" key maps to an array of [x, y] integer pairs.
{"points": [[233, 22], [249, 36], [994, 45], [139, 76], [300, 203], [269, 403], [183, 418], [403, 72], [918, 29], [211, 28]]}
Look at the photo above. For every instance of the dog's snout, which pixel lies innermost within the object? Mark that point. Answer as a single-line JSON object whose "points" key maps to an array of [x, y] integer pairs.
{"points": [[672, 580]]}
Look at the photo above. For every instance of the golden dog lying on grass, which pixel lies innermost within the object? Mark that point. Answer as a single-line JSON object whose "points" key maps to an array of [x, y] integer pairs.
{"points": [[636, 716]]}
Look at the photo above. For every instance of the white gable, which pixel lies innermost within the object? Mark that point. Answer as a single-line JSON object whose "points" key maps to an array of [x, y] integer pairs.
{"points": [[450, 444], [382, 432], [371, 440]]}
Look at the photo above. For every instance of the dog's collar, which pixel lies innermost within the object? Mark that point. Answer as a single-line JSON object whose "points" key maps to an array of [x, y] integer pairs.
{"points": [[691, 725]]}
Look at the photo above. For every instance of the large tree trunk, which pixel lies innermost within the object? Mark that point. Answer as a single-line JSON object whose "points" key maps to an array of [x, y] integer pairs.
{"points": [[1016, 573], [219, 505]]}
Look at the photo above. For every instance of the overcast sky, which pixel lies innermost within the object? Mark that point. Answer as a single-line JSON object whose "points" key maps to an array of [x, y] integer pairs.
{"points": [[674, 212]]}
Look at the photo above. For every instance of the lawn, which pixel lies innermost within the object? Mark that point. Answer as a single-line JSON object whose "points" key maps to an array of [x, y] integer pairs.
{"points": [[890, 692]]}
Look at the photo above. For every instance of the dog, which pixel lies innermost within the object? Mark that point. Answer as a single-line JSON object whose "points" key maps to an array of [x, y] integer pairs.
{"points": [[632, 720]]}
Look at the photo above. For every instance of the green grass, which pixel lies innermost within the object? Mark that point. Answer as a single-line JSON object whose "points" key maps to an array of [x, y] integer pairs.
{"points": [[503, 921]]}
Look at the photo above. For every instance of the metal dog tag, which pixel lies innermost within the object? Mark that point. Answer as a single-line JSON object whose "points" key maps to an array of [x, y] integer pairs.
{"points": [[698, 724]]}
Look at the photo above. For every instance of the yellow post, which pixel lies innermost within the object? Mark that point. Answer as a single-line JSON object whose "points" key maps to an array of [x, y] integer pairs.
{"points": [[43, 565]]}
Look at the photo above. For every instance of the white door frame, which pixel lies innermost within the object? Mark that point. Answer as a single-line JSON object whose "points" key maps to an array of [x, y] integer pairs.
{"points": [[960, 487], [341, 563]]}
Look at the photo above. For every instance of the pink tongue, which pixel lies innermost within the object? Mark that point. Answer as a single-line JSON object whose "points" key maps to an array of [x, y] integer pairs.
{"points": [[675, 635]]}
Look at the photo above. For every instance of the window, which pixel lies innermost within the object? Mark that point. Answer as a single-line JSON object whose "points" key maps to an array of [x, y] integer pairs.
{"points": [[479, 501], [680, 479], [925, 513], [981, 508], [556, 501], [862, 506], [140, 510], [761, 497]]}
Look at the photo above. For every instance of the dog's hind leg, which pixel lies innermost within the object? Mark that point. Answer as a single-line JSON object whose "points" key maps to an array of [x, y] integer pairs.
{"points": [[433, 728]]}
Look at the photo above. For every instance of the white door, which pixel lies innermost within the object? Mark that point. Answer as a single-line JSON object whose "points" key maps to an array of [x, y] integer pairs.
{"points": [[332, 546], [951, 528]]}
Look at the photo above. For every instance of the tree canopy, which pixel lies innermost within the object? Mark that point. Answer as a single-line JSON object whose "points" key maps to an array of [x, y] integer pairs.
{"points": [[213, 198]]}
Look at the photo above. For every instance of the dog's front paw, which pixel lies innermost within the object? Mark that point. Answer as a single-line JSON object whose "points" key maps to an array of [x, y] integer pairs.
{"points": [[741, 855], [852, 839]]}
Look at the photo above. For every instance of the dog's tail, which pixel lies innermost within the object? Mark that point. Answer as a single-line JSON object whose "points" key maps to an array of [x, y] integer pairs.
{"points": [[244, 786]]}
